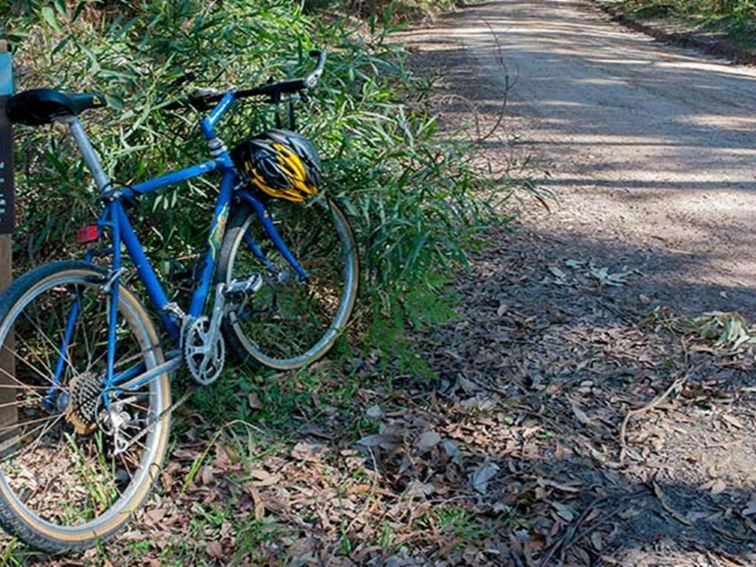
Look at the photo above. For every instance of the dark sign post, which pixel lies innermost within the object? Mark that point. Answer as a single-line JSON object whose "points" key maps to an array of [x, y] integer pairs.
{"points": [[7, 367]]}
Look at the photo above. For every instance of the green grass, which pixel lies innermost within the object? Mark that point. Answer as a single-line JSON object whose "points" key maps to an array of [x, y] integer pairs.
{"points": [[454, 520], [734, 19]]}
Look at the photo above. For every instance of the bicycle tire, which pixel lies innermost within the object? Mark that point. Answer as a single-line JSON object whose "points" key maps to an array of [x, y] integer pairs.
{"points": [[39, 529], [266, 335]]}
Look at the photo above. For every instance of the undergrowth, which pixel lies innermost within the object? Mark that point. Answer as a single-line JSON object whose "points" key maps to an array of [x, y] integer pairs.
{"points": [[396, 10], [414, 200], [735, 18]]}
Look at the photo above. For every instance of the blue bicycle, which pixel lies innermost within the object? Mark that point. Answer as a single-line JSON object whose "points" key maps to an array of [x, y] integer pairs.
{"points": [[87, 408]]}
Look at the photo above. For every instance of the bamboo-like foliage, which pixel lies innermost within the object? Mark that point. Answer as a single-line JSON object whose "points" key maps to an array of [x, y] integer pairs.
{"points": [[414, 200]]}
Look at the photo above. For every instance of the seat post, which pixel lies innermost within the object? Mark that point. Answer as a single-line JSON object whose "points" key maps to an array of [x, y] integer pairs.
{"points": [[87, 151]]}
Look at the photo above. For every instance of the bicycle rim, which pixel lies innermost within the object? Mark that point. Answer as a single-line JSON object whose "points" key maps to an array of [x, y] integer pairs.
{"points": [[60, 480], [288, 324]]}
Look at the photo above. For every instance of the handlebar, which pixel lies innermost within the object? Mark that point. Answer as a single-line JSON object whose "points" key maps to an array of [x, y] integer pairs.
{"points": [[272, 90]]}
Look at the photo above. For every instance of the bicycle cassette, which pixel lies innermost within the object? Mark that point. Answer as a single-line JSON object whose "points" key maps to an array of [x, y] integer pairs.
{"points": [[204, 354]]}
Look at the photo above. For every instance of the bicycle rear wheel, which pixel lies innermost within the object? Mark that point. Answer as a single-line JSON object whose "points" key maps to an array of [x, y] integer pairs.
{"points": [[62, 487], [288, 324]]}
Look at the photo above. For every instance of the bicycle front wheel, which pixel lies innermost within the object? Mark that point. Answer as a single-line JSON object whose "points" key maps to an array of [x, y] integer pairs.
{"points": [[63, 484], [288, 323]]}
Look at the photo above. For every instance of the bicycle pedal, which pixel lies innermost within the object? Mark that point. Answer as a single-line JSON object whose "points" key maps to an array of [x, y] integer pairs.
{"points": [[243, 287]]}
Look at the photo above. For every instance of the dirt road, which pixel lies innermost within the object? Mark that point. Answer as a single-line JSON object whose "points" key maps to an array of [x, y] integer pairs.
{"points": [[650, 149], [646, 437]]}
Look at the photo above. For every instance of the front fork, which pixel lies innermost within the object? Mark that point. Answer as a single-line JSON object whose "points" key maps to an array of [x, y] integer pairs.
{"points": [[270, 229]]}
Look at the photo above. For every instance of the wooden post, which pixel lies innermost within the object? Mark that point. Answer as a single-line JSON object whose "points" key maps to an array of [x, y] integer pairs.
{"points": [[8, 414]]}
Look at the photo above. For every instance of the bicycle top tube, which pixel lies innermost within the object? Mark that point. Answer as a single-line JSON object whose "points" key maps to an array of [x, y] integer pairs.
{"points": [[220, 104]]}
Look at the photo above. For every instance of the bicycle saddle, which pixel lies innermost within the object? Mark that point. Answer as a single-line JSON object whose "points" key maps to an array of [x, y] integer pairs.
{"points": [[43, 106]]}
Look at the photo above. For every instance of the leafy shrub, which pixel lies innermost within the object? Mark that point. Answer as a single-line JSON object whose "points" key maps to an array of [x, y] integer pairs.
{"points": [[737, 18], [413, 199], [394, 9]]}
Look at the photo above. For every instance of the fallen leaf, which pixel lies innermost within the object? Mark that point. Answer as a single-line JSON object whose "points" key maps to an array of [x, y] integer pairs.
{"points": [[718, 486], [226, 530], [452, 451], [214, 549], [480, 478], [254, 401], [427, 441], [263, 477], [301, 547], [310, 452], [564, 511], [734, 421], [558, 486], [750, 510], [419, 489], [557, 273], [581, 416], [597, 541], [207, 474], [154, 516], [259, 505], [667, 506], [374, 412], [386, 441]]}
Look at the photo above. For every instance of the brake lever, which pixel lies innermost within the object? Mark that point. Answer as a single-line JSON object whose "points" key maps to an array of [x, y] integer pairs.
{"points": [[312, 79]]}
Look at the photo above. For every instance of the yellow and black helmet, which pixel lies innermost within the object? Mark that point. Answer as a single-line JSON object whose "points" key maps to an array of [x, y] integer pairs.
{"points": [[280, 163]]}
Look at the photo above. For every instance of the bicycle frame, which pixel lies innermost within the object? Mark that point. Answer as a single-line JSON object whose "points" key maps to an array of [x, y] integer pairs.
{"points": [[114, 219]]}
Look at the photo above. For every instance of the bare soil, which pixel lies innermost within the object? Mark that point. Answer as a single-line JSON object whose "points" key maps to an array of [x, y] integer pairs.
{"points": [[650, 151]]}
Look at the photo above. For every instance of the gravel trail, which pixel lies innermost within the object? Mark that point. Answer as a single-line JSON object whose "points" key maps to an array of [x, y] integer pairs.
{"points": [[651, 153], [650, 149]]}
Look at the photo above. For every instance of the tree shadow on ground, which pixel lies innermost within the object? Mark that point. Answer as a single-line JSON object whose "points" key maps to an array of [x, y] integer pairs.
{"points": [[571, 359], [674, 185]]}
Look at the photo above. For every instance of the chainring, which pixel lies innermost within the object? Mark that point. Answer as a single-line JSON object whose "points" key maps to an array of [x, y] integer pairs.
{"points": [[205, 355]]}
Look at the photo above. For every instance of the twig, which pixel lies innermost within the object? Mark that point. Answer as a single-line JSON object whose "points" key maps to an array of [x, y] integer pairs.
{"points": [[516, 558], [667, 506], [572, 535], [507, 85], [471, 107], [638, 411]]}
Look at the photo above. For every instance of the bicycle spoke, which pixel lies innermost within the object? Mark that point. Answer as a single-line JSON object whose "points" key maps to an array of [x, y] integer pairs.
{"points": [[21, 384], [48, 366], [65, 470], [56, 348], [47, 428]]}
